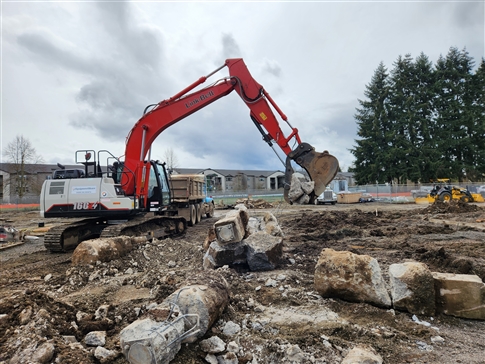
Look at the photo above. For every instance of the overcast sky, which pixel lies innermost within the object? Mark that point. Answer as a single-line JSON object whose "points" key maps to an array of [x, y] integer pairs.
{"points": [[78, 75]]}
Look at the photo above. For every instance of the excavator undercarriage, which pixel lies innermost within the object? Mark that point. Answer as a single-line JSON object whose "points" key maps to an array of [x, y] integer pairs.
{"points": [[64, 238]]}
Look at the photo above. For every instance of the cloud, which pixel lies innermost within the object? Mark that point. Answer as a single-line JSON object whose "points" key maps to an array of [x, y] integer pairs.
{"points": [[230, 49]]}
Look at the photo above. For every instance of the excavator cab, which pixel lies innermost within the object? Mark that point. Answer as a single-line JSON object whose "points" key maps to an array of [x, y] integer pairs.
{"points": [[158, 187]]}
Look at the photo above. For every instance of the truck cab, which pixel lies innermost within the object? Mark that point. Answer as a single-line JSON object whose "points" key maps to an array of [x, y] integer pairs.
{"points": [[327, 196]]}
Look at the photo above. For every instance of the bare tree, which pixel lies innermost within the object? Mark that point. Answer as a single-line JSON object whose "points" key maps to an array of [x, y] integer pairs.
{"points": [[170, 158], [21, 155]]}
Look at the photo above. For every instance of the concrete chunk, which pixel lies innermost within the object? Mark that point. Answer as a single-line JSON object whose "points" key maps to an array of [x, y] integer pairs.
{"points": [[412, 288], [219, 255], [351, 277], [264, 251], [232, 228], [460, 295], [105, 249], [183, 317]]}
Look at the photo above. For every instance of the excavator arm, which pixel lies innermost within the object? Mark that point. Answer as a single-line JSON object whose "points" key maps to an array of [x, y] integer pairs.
{"points": [[322, 167]]}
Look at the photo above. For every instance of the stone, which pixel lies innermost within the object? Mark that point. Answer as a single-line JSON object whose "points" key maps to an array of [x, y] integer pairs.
{"points": [[228, 254], [264, 251], [105, 355], [25, 315], [233, 347], [362, 355], [412, 288], [95, 338], [232, 227], [44, 353], [227, 358], [295, 191], [460, 295], [294, 354], [212, 345], [101, 312], [104, 249], [231, 328], [351, 277], [211, 359]]}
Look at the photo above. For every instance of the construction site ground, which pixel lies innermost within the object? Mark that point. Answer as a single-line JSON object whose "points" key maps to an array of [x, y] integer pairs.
{"points": [[41, 293]]}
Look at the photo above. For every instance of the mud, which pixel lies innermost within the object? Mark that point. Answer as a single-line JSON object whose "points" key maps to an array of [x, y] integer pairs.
{"points": [[62, 300]]}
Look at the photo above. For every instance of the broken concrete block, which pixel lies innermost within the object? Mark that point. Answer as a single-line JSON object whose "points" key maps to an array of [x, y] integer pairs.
{"points": [[362, 355], [308, 187], [351, 277], [270, 225], [232, 228], [104, 249], [460, 295], [219, 255], [295, 191], [184, 316], [264, 251], [149, 341], [412, 288], [206, 295]]}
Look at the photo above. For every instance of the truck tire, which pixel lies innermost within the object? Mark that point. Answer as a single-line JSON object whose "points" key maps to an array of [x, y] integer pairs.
{"points": [[193, 216], [210, 213], [198, 209]]}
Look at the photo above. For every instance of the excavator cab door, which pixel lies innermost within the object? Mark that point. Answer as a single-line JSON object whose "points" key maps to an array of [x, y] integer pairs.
{"points": [[158, 187]]}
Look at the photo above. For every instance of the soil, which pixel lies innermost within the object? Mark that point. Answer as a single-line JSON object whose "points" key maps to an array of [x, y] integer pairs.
{"points": [[43, 298]]}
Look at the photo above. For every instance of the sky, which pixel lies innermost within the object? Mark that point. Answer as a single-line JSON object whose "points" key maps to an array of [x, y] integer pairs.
{"points": [[78, 75]]}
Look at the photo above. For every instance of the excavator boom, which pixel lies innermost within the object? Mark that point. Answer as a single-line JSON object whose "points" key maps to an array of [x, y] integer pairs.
{"points": [[321, 167]]}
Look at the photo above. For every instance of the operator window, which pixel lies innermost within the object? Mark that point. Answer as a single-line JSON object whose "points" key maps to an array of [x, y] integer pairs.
{"points": [[56, 188]]}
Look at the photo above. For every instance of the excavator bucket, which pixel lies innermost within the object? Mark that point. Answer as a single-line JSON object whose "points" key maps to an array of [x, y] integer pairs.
{"points": [[321, 167]]}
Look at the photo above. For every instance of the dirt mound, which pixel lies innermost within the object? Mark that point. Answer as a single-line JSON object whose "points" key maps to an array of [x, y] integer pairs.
{"points": [[452, 207]]}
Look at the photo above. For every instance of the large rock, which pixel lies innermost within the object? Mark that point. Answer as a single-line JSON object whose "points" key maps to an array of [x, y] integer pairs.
{"points": [[351, 277], [104, 249], [299, 190], [412, 288], [264, 251], [460, 295], [219, 255], [232, 228]]}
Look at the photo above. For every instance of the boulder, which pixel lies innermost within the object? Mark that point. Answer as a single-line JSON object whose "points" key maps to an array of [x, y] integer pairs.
{"points": [[219, 255], [460, 295], [264, 251], [412, 288], [351, 277]]}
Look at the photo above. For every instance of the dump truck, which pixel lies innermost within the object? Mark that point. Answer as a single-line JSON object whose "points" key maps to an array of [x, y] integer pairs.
{"points": [[189, 197]]}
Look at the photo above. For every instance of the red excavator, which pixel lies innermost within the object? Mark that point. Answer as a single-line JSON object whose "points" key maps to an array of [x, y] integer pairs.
{"points": [[118, 196]]}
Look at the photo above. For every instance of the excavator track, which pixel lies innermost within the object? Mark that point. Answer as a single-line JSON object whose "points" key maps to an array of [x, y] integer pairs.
{"points": [[63, 238], [151, 226], [66, 237]]}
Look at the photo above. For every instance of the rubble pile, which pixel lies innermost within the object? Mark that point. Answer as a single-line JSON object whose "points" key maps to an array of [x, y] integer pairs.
{"points": [[255, 204]]}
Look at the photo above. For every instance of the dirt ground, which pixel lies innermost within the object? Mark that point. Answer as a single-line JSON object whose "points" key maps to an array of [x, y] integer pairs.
{"points": [[43, 299]]}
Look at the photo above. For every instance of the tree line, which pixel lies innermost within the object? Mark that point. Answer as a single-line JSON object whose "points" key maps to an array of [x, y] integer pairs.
{"points": [[422, 121]]}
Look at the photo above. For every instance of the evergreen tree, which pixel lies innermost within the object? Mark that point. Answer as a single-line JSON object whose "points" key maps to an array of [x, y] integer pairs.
{"points": [[476, 171], [454, 126], [373, 129]]}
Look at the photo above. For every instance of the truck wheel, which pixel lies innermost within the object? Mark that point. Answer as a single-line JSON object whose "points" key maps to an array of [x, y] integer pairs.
{"points": [[198, 209], [193, 216], [211, 210]]}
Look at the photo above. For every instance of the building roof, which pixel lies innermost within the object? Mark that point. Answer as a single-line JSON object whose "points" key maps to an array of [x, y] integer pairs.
{"points": [[227, 172], [36, 168]]}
